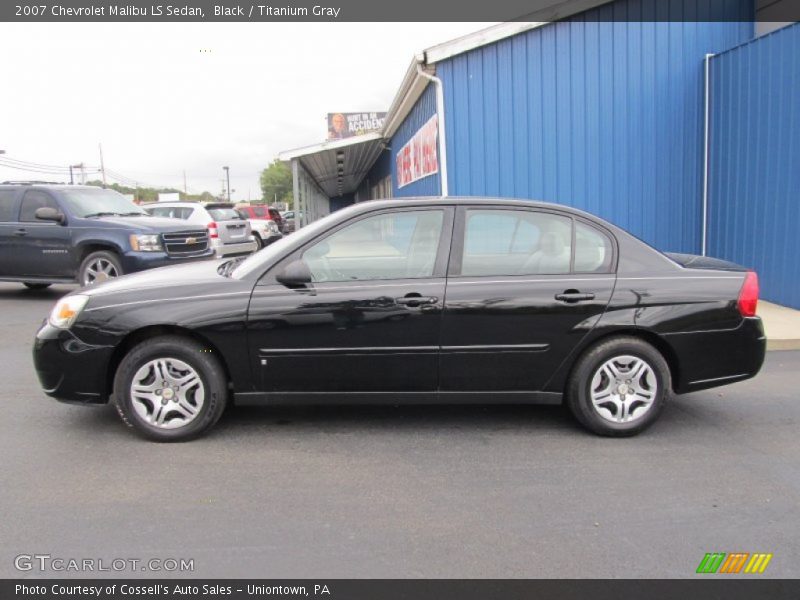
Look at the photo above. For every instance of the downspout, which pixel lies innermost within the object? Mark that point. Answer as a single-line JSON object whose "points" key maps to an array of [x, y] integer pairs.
{"points": [[706, 123], [442, 129]]}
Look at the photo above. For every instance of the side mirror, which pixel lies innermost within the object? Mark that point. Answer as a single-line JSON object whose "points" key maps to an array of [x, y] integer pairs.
{"points": [[48, 213], [295, 275]]}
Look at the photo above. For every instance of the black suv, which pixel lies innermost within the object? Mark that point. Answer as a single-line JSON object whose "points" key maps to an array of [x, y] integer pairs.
{"points": [[64, 233]]}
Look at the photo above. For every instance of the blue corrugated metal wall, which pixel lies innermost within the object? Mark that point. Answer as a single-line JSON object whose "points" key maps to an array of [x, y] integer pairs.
{"points": [[605, 116], [754, 185], [423, 110]]}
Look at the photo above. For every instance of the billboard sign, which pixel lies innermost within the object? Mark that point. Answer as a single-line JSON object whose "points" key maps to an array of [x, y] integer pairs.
{"points": [[345, 125], [420, 156]]}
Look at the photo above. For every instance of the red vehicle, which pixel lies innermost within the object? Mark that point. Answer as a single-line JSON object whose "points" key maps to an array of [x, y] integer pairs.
{"points": [[261, 212]]}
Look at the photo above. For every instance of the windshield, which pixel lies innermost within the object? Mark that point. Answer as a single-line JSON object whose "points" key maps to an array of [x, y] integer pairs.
{"points": [[224, 214], [264, 258], [87, 202]]}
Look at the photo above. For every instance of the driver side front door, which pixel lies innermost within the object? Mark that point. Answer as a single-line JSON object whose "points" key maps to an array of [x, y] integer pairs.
{"points": [[368, 322]]}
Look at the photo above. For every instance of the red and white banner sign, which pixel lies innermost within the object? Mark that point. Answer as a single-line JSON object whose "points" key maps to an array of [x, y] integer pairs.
{"points": [[420, 156]]}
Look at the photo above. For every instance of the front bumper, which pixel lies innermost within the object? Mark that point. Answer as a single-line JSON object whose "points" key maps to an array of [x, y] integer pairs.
{"points": [[141, 261], [69, 369], [221, 250]]}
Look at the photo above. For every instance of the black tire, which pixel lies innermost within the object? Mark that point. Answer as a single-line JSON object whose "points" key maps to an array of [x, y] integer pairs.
{"points": [[90, 263], [602, 420], [35, 286], [204, 363], [259, 242]]}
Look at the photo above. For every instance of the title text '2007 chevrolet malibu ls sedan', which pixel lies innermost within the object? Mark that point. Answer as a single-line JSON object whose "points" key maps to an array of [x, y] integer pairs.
{"points": [[412, 301]]}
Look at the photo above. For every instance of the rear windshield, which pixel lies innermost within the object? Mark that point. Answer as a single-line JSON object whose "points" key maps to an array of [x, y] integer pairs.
{"points": [[224, 214], [274, 214]]}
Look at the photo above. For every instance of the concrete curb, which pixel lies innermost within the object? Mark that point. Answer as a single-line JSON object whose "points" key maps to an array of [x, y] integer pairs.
{"points": [[782, 345]]}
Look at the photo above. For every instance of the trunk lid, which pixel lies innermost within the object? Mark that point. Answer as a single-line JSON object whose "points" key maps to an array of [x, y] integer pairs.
{"points": [[695, 261]]}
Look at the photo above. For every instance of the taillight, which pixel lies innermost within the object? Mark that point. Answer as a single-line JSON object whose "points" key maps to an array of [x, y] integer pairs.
{"points": [[748, 296], [213, 232]]}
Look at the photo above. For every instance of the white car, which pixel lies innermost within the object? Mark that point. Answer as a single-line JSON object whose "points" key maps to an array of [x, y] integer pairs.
{"points": [[264, 232], [228, 232]]}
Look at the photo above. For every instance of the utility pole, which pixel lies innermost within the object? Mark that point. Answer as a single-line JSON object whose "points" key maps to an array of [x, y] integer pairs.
{"points": [[71, 175], [228, 177], [185, 191], [102, 165]]}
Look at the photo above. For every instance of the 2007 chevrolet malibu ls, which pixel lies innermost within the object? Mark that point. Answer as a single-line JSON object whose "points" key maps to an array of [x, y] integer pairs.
{"points": [[438, 300]]}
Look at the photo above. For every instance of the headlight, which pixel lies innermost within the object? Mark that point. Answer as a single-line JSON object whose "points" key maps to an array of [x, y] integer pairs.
{"points": [[272, 226], [67, 310], [146, 243]]}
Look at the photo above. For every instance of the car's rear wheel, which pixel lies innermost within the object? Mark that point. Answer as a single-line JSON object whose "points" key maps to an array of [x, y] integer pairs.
{"points": [[619, 387], [35, 286], [98, 267], [170, 389]]}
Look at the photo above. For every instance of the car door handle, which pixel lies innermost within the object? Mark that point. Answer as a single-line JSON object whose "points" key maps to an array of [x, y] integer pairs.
{"points": [[572, 296], [416, 300], [20, 232]]}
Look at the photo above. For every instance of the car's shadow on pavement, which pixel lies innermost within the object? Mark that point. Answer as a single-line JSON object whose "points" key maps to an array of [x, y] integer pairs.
{"points": [[681, 417], [255, 421], [50, 294]]}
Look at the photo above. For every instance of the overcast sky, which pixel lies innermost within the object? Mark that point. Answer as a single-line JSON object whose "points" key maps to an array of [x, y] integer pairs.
{"points": [[161, 106]]}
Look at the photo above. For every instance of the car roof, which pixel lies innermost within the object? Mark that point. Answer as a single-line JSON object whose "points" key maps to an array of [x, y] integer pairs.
{"points": [[49, 186], [472, 201]]}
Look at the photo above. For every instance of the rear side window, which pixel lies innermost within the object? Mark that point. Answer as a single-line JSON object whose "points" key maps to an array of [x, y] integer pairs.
{"points": [[31, 202], [516, 242], [593, 250], [7, 205]]}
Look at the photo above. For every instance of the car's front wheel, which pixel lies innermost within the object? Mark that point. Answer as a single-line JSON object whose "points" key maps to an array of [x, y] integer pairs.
{"points": [[98, 267], [170, 389], [619, 387], [259, 242]]}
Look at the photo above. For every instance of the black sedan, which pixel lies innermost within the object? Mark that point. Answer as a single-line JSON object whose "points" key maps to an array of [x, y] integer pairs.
{"points": [[412, 301]]}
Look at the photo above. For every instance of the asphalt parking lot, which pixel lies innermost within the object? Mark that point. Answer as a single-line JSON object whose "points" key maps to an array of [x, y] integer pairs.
{"points": [[400, 492]]}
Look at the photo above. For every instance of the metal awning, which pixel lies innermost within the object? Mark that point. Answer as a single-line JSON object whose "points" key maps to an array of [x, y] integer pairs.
{"points": [[339, 166]]}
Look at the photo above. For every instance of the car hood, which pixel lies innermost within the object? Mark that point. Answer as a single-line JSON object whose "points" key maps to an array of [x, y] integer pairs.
{"points": [[150, 224], [165, 279]]}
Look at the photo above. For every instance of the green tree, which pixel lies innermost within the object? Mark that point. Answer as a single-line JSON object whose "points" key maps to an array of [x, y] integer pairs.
{"points": [[276, 182]]}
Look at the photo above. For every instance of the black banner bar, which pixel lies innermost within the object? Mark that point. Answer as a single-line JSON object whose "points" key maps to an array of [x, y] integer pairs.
{"points": [[402, 10], [717, 588]]}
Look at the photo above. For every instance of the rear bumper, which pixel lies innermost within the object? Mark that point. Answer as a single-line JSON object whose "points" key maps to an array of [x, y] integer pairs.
{"points": [[141, 261], [69, 369], [710, 359], [221, 249]]}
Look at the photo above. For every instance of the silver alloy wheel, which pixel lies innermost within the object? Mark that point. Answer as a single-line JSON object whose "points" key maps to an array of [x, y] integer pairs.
{"points": [[167, 393], [99, 270], [623, 389]]}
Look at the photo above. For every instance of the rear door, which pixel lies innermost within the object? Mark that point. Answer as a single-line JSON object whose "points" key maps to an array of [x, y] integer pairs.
{"points": [[519, 296], [8, 217], [44, 248]]}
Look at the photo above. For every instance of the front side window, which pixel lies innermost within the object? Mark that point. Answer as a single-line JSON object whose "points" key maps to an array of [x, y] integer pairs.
{"points": [[400, 245], [31, 202], [516, 242]]}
